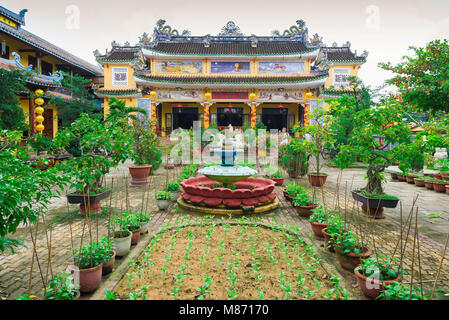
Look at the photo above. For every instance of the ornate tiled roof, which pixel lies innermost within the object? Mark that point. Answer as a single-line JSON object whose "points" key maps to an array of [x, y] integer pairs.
{"points": [[231, 81], [49, 48], [120, 54], [128, 93], [341, 54], [19, 18], [231, 48]]}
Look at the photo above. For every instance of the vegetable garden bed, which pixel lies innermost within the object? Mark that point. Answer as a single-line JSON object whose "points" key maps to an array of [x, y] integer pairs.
{"points": [[227, 261]]}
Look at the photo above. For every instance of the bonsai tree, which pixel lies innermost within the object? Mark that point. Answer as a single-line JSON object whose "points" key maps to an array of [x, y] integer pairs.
{"points": [[375, 130], [145, 147], [294, 158]]}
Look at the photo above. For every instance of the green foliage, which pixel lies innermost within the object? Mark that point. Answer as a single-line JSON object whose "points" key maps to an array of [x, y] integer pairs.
{"points": [[61, 287], [172, 186], [40, 142], [187, 172], [320, 215], [294, 157], [379, 267], [411, 156], [24, 190], [12, 83], [101, 149], [121, 114], [401, 291], [344, 109], [89, 256], [82, 100], [163, 195], [348, 242], [293, 189], [374, 131], [146, 144], [276, 175], [423, 78], [303, 198]]}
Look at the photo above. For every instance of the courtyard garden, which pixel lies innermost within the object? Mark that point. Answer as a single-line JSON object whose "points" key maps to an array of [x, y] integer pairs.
{"points": [[122, 217]]}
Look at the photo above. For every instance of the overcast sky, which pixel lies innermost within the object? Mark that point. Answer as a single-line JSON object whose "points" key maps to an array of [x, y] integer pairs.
{"points": [[384, 28]]}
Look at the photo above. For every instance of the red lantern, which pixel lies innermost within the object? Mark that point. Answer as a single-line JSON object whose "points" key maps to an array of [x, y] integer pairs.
{"points": [[179, 106], [280, 106], [230, 106]]}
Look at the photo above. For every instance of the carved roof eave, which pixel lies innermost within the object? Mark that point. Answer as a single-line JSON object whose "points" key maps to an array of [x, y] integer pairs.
{"points": [[316, 83], [330, 63], [313, 53], [101, 94]]}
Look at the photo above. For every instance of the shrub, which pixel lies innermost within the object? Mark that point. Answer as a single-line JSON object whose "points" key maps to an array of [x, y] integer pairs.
{"points": [[163, 195]]}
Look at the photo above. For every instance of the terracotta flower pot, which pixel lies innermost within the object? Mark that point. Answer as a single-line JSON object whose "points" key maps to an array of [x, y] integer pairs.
{"points": [[428, 184], [287, 197], [317, 180], [139, 175], [90, 278], [350, 261], [410, 179], [305, 211], [279, 181], [293, 174], [437, 176], [394, 175], [401, 177], [135, 236], [447, 188], [372, 288], [169, 166], [328, 240], [419, 182], [317, 228], [108, 265], [439, 187]]}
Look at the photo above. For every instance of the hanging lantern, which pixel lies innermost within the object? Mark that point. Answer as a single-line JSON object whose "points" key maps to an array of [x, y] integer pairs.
{"points": [[309, 95], [153, 94], [230, 106], [252, 96], [207, 95], [280, 106], [39, 110], [40, 127], [39, 101], [40, 119], [39, 92], [179, 106]]}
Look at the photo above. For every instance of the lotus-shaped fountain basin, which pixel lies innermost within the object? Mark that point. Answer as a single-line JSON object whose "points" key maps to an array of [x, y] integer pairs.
{"points": [[248, 192], [227, 175]]}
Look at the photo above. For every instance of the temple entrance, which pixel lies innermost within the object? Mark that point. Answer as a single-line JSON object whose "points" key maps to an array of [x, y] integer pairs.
{"points": [[226, 116], [184, 117], [275, 118]]}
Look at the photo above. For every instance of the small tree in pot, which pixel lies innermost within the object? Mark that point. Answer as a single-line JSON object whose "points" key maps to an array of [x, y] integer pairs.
{"points": [[319, 137], [374, 132], [163, 199], [146, 154], [101, 148], [89, 262], [294, 158]]}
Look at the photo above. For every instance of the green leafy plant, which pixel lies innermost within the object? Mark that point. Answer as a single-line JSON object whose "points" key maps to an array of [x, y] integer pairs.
{"points": [[61, 287], [294, 157], [320, 215], [380, 267], [349, 242], [303, 198], [401, 291], [40, 142], [146, 144], [163, 195], [172, 186], [89, 256], [276, 175]]}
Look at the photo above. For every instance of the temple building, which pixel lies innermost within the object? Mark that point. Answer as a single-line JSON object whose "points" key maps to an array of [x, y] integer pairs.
{"points": [[227, 79], [42, 63]]}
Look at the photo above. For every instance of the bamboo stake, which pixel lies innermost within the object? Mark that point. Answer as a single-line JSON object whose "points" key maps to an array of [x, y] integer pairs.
{"points": [[413, 263], [443, 254], [419, 254], [34, 240]]}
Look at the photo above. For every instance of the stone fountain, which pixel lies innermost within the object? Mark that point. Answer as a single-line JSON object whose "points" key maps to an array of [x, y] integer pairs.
{"points": [[228, 188]]}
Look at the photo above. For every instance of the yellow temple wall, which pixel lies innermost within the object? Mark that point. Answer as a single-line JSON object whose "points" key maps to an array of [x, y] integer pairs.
{"points": [[130, 102], [353, 71], [108, 77]]}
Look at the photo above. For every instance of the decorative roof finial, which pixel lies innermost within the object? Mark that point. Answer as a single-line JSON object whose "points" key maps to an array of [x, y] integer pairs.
{"points": [[97, 53], [230, 30]]}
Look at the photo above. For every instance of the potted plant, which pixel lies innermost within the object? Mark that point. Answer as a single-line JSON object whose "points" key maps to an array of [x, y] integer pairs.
{"points": [[101, 147], [334, 225], [121, 236], [174, 188], [105, 245], [89, 262], [144, 219], [277, 177], [429, 183], [375, 129], [374, 273], [394, 175], [291, 190], [163, 199], [61, 287], [439, 185], [133, 225], [320, 137], [146, 154], [303, 203], [350, 250], [41, 143], [420, 181], [319, 220]]}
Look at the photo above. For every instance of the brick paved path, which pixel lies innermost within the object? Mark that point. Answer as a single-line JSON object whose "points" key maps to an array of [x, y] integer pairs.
{"points": [[14, 269]]}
